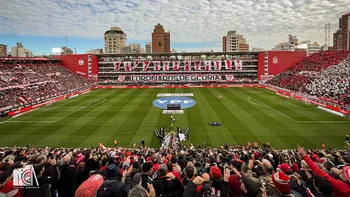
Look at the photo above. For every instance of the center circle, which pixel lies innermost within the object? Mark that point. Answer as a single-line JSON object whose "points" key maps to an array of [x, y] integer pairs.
{"points": [[184, 102]]}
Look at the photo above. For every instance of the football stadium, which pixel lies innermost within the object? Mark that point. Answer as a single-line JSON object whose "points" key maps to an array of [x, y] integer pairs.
{"points": [[126, 122]]}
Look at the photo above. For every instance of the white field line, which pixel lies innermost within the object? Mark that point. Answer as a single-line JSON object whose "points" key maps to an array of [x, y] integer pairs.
{"points": [[292, 103], [301, 122], [248, 99], [53, 121]]}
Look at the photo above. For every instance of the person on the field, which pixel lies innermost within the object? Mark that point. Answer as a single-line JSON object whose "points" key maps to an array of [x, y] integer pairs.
{"points": [[220, 97]]}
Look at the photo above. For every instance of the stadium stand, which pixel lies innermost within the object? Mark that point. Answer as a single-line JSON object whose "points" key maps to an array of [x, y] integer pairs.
{"points": [[25, 82], [196, 171], [324, 76]]}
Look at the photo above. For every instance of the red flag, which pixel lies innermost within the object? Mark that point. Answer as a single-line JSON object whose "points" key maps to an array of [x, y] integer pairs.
{"points": [[165, 65], [197, 64], [228, 64], [176, 65], [116, 66], [187, 65], [208, 65], [145, 65], [217, 64]]}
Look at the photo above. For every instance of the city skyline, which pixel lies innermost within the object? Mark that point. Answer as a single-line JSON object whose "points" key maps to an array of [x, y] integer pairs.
{"points": [[194, 25]]}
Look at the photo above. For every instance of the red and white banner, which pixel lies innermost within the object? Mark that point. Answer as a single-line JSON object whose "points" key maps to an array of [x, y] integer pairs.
{"points": [[165, 65], [197, 65], [127, 66], [145, 65], [228, 64], [207, 65], [121, 78], [217, 64], [116, 66], [156, 65], [176, 77], [230, 78], [136, 63], [176, 65], [23, 99], [187, 65], [238, 64]]}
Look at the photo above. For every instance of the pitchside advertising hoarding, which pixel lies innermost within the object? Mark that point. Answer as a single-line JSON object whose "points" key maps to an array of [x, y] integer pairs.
{"points": [[177, 77]]}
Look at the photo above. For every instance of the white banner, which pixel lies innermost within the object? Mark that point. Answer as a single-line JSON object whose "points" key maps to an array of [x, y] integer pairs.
{"points": [[228, 64], [238, 64], [207, 65], [217, 64], [187, 65], [197, 65], [136, 63], [165, 65], [145, 65], [174, 94], [156, 65], [127, 66], [116, 66], [176, 65], [173, 111]]}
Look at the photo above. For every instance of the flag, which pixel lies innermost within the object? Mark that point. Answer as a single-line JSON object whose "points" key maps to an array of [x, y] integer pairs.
{"points": [[22, 100], [228, 64], [156, 65], [127, 66], [187, 65], [238, 64], [136, 63], [207, 65], [121, 78], [197, 64], [165, 65], [176, 65], [116, 66], [230, 78], [145, 65], [217, 64]]}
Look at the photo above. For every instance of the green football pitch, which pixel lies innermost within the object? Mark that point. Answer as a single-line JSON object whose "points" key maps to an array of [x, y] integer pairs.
{"points": [[128, 115]]}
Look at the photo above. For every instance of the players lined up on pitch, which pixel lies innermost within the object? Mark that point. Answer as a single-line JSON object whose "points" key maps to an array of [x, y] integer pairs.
{"points": [[251, 170]]}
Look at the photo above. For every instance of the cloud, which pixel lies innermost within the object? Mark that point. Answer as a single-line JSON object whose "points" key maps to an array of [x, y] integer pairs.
{"points": [[264, 23]]}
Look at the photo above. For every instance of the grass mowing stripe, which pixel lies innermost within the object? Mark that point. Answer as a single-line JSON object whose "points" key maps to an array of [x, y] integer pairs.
{"points": [[294, 130], [89, 119], [263, 122], [39, 132], [197, 126], [213, 113], [127, 129], [90, 128]]}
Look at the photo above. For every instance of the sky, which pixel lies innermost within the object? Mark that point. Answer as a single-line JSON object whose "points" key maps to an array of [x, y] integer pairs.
{"points": [[194, 25]]}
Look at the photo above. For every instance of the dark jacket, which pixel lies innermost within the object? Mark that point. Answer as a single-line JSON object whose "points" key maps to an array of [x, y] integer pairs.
{"points": [[114, 188], [191, 190], [66, 183], [171, 188]]}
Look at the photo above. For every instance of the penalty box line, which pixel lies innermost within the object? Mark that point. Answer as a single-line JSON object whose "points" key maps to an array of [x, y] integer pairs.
{"points": [[300, 122]]}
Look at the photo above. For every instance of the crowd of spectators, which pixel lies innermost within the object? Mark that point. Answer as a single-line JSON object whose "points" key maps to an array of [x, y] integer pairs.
{"points": [[34, 81], [324, 75], [228, 171]]}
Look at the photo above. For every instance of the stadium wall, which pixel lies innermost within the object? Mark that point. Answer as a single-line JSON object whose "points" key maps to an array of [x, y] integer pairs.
{"points": [[278, 61], [79, 64]]}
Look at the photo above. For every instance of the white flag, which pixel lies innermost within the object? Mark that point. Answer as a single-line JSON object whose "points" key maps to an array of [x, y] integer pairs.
{"points": [[228, 64], [217, 64], [238, 64], [197, 65], [135, 64], [145, 65], [117, 66], [187, 65], [176, 65], [165, 65], [127, 66], [156, 65], [207, 65]]}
